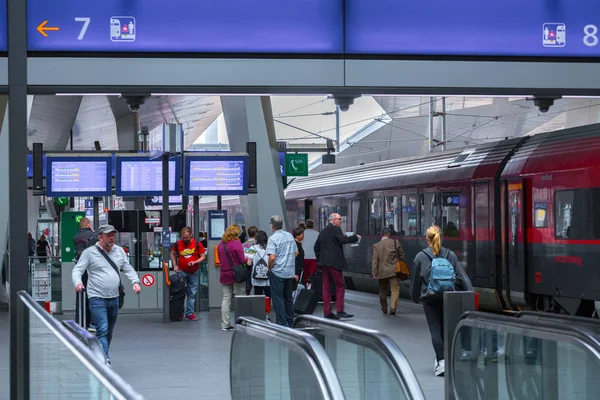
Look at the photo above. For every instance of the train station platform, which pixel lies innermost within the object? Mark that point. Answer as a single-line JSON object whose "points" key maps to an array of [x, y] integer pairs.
{"points": [[191, 359]]}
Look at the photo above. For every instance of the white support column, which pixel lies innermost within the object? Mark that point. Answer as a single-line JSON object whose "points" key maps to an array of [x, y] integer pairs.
{"points": [[250, 119]]}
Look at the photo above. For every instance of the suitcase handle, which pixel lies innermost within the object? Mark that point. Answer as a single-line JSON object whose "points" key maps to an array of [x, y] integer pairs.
{"points": [[166, 271]]}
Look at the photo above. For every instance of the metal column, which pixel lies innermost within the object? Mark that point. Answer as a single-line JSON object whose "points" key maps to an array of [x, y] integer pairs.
{"points": [[337, 129], [17, 193], [165, 231], [96, 203], [431, 124], [444, 133], [196, 208]]}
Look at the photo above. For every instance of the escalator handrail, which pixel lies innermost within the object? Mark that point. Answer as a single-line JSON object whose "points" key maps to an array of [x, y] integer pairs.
{"points": [[382, 342], [581, 322], [105, 375], [569, 330], [315, 353], [91, 341]]}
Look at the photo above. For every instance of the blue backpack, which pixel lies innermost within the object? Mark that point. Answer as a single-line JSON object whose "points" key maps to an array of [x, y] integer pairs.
{"points": [[442, 277]]}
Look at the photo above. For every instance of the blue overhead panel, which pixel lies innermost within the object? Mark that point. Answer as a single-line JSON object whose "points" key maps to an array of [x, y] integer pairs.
{"points": [[194, 26], [3, 26], [533, 28]]}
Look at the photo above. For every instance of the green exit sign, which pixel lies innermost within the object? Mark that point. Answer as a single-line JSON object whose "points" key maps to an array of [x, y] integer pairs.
{"points": [[296, 164], [62, 201]]}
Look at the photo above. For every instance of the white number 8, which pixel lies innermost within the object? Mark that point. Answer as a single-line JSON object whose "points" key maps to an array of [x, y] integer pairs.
{"points": [[590, 39]]}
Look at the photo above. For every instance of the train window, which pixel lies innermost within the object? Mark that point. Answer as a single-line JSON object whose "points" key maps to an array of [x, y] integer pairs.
{"points": [[428, 210], [450, 214], [343, 211], [392, 214], [375, 216], [575, 214], [323, 217], [355, 208], [409, 215], [540, 215]]}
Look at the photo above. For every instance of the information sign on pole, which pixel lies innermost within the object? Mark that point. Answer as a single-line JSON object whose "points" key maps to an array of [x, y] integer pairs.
{"points": [[41, 285], [296, 164]]}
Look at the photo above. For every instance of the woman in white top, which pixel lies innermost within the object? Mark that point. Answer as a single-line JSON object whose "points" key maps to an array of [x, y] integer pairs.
{"points": [[259, 263]]}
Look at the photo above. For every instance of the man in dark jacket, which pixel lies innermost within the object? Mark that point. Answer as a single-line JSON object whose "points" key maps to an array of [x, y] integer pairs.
{"points": [[331, 260], [84, 238]]}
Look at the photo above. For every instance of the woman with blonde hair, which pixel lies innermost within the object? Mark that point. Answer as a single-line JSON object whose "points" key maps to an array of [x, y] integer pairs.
{"points": [[428, 287], [230, 253]]}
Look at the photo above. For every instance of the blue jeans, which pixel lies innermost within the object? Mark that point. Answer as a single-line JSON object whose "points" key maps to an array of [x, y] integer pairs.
{"points": [[104, 314], [281, 294], [192, 287]]}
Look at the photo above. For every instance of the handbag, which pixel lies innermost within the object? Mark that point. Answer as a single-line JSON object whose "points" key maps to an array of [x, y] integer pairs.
{"points": [[402, 270], [121, 288], [239, 270]]}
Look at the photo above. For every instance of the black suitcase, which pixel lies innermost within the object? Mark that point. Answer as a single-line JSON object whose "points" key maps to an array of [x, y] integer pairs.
{"points": [[306, 302], [82, 310], [177, 292]]}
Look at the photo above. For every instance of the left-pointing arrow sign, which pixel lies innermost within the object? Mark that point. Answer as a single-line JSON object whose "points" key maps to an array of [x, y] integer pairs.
{"points": [[42, 28]]}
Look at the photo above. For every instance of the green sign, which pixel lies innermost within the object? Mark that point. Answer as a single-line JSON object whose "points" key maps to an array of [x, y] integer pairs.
{"points": [[69, 226], [296, 164], [62, 201]]}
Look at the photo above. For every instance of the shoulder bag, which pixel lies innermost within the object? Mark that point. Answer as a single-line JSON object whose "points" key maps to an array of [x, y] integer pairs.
{"points": [[239, 270], [402, 271], [121, 288]]}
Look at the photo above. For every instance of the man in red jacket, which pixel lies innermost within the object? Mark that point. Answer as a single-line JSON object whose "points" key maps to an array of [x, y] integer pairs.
{"points": [[187, 255]]}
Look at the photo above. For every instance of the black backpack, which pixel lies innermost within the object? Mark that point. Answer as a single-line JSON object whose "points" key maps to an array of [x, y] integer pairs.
{"points": [[83, 242]]}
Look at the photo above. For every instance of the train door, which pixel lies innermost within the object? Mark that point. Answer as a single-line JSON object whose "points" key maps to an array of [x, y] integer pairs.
{"points": [[484, 259], [516, 242]]}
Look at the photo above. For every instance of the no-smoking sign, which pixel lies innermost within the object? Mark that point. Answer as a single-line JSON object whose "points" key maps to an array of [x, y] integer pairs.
{"points": [[148, 280]]}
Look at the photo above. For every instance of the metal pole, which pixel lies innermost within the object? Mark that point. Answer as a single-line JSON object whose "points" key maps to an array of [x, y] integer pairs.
{"points": [[337, 129], [196, 209], [444, 133], [166, 245], [96, 213], [219, 203], [71, 140], [17, 193], [431, 124]]}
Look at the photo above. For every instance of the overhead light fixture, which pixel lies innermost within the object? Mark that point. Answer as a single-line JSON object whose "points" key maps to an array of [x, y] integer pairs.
{"points": [[87, 94]]}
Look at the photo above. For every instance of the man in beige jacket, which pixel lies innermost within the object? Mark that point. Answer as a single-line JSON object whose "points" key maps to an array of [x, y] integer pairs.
{"points": [[385, 255]]}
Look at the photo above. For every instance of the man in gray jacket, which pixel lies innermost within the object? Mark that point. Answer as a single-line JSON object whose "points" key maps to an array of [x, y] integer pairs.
{"points": [[103, 281]]}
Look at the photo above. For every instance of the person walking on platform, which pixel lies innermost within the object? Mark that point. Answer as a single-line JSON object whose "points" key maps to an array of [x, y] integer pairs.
{"points": [[84, 238], [230, 253], [103, 261], [260, 265], [43, 249], [30, 245], [385, 254], [282, 251], [330, 256], [186, 256], [436, 269], [308, 243], [248, 247]]}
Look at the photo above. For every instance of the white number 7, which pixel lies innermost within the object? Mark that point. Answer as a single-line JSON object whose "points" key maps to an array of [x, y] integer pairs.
{"points": [[86, 23]]}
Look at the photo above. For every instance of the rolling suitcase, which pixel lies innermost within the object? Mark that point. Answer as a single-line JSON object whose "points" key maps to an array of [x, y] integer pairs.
{"points": [[82, 310], [177, 292], [305, 300]]}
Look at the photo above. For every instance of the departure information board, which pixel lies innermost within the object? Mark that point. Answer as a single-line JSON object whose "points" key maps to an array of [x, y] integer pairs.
{"points": [[216, 176], [533, 28], [78, 176], [140, 176], [216, 26]]}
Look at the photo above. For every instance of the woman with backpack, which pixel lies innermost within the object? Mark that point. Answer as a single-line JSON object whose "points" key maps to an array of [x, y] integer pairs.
{"points": [[436, 270], [259, 263]]}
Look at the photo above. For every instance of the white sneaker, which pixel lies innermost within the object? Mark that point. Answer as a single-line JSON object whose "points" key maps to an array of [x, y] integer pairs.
{"points": [[440, 368]]}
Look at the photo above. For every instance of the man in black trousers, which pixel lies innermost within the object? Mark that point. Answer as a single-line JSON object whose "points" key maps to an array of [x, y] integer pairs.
{"points": [[331, 260]]}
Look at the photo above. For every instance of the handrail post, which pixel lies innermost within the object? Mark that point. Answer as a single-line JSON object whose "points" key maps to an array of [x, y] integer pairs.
{"points": [[455, 305], [22, 348]]}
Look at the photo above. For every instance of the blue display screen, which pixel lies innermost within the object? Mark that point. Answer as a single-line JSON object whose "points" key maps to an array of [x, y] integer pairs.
{"points": [[215, 26], [78, 176], [140, 176], [533, 28], [30, 165], [216, 175]]}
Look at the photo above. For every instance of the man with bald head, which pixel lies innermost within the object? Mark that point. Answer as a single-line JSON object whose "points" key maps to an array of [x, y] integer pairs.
{"points": [[331, 260]]}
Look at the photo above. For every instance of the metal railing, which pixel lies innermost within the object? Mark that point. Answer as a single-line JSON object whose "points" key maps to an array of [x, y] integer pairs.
{"points": [[72, 359], [300, 348], [381, 344], [87, 338]]}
